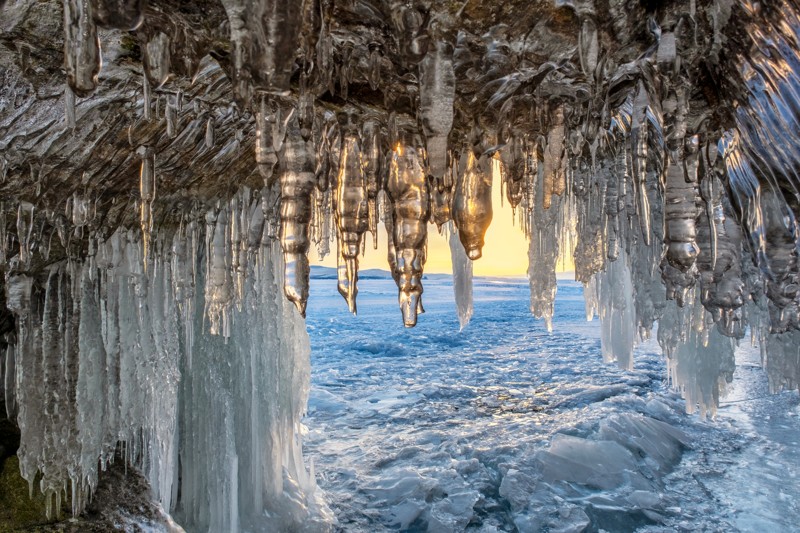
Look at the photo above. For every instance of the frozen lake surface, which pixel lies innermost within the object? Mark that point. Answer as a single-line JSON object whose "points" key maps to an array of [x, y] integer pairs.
{"points": [[504, 427]]}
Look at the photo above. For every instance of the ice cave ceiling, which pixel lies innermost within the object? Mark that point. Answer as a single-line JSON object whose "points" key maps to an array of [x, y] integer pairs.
{"points": [[656, 142]]}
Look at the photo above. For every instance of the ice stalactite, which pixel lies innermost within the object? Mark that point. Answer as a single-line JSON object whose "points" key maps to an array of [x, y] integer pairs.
{"points": [[720, 260], [264, 34], [270, 133], [297, 183], [156, 59], [543, 251], [437, 90], [699, 358], [462, 278], [472, 202], [614, 301], [554, 158], [372, 158], [639, 134], [82, 59], [352, 216], [407, 191], [147, 195]]}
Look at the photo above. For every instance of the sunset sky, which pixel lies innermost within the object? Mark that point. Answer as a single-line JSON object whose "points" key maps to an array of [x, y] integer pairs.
{"points": [[504, 254]]}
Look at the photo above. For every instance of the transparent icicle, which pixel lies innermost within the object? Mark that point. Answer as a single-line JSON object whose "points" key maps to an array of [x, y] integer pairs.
{"points": [[156, 59], [25, 223], [462, 278]]}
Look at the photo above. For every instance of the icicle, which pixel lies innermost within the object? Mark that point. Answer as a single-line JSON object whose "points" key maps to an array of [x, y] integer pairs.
{"points": [[147, 195], [554, 171], [156, 59], [462, 277], [147, 113], [441, 191], [25, 223], [588, 47], [120, 14], [209, 138], [408, 192], [69, 104], [219, 286], [437, 86], [270, 133], [352, 217], [169, 117], [374, 75], [265, 35], [543, 254], [82, 59], [513, 159], [615, 204], [373, 172], [639, 158], [297, 182], [305, 109], [472, 203], [616, 310]]}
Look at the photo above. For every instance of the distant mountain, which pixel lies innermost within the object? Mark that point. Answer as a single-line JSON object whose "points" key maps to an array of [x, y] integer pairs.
{"points": [[323, 272]]}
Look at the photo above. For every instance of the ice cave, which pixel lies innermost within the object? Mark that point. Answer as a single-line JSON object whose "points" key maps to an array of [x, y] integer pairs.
{"points": [[246, 254]]}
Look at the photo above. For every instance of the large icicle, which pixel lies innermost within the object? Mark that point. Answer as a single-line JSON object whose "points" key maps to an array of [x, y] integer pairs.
{"points": [[352, 217], [437, 90], [408, 192], [297, 182], [543, 253], [462, 277], [265, 34], [82, 58]]}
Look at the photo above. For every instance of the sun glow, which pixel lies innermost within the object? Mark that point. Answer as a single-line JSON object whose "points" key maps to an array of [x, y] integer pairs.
{"points": [[504, 254]]}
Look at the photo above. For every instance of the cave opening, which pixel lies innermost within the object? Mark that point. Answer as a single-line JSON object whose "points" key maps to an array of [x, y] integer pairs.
{"points": [[168, 171]]}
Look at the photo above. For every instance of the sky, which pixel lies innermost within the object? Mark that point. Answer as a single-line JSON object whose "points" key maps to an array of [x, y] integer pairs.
{"points": [[504, 254]]}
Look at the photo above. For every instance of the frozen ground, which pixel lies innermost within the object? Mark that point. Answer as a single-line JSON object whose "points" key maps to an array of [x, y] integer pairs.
{"points": [[504, 427]]}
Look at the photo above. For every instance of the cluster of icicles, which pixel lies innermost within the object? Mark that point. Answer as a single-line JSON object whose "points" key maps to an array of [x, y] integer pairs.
{"points": [[647, 191], [119, 352]]}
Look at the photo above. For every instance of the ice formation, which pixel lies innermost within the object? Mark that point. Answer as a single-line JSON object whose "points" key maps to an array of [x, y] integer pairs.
{"points": [[140, 218], [112, 354]]}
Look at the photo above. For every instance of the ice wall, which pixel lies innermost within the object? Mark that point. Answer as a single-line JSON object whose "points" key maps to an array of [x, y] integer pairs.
{"points": [[190, 360]]}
